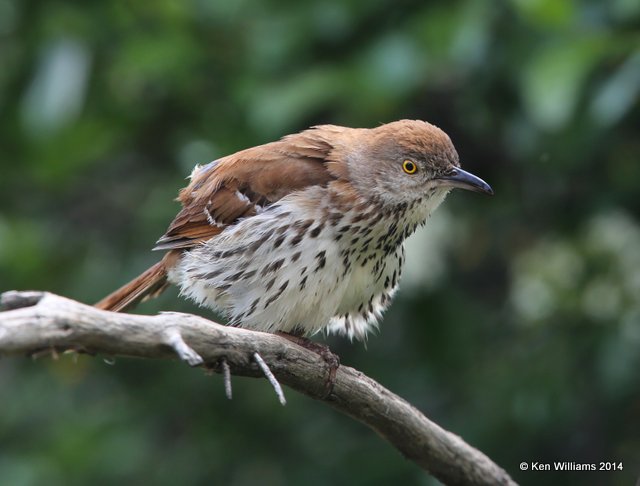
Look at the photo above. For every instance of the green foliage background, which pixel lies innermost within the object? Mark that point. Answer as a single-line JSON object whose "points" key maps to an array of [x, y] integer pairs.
{"points": [[518, 326]]}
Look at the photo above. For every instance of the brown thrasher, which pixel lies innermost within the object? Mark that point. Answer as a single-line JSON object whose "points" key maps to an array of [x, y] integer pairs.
{"points": [[306, 233]]}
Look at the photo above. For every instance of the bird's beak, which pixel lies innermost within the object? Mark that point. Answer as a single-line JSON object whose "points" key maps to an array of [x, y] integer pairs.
{"points": [[465, 180]]}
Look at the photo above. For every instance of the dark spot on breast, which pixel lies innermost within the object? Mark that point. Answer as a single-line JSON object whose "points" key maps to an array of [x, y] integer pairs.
{"points": [[377, 265], [253, 307], [316, 231], [277, 294], [257, 244], [279, 241], [211, 275], [321, 257], [303, 225], [296, 256], [230, 253], [275, 266], [347, 265], [270, 284]]}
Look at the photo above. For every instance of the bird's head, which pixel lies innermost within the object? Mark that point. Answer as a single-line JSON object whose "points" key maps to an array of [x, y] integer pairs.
{"points": [[408, 160]]}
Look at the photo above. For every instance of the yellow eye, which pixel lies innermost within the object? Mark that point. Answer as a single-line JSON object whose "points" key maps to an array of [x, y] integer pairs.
{"points": [[409, 166]]}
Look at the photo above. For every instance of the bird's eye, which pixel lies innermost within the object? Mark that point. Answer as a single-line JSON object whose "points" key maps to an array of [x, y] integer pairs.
{"points": [[409, 166]]}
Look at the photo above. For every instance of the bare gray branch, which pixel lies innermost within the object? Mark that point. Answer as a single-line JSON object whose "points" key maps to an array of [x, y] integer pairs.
{"points": [[38, 321]]}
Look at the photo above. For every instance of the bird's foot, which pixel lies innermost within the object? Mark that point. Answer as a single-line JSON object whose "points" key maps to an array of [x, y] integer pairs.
{"points": [[322, 350]]}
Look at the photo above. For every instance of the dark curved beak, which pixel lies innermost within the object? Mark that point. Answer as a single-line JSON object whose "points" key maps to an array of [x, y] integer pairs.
{"points": [[465, 180]]}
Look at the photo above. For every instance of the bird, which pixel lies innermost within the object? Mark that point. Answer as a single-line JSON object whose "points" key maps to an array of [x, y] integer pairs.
{"points": [[306, 233]]}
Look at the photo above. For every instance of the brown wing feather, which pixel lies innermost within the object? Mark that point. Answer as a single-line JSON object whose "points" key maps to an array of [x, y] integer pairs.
{"points": [[231, 188]]}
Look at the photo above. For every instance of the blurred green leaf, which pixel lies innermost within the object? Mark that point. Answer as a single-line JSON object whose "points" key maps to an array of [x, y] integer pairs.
{"points": [[553, 81]]}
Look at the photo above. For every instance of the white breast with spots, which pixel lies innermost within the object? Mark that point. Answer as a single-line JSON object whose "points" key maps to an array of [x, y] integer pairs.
{"points": [[275, 271], [292, 267]]}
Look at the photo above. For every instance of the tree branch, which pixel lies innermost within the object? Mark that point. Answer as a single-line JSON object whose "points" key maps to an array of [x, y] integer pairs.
{"points": [[35, 322]]}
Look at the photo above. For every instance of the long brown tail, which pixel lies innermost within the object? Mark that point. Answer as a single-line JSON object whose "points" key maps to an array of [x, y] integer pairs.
{"points": [[146, 285]]}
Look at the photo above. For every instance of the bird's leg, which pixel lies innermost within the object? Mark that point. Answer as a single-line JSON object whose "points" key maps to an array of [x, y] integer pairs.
{"points": [[322, 350]]}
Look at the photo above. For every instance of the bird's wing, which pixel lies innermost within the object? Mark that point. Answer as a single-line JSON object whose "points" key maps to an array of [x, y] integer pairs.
{"points": [[242, 184]]}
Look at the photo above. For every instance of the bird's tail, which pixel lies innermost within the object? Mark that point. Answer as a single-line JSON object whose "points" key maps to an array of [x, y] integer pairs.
{"points": [[147, 285]]}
